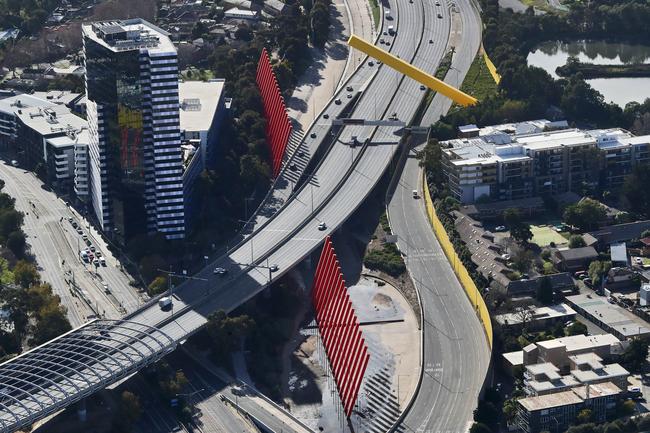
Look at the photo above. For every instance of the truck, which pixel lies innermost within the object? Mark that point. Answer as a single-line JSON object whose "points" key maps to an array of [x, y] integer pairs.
{"points": [[165, 302]]}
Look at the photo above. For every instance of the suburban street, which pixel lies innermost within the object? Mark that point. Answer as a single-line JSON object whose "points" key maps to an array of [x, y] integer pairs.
{"points": [[55, 245]]}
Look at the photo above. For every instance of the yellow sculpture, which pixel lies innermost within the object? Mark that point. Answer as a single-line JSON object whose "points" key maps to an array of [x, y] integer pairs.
{"points": [[411, 71]]}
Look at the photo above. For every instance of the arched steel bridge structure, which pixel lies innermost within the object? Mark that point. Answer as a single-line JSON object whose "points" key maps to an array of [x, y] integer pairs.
{"points": [[73, 366]]}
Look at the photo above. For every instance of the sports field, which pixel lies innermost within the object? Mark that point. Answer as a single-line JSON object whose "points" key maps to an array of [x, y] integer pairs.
{"points": [[544, 235]]}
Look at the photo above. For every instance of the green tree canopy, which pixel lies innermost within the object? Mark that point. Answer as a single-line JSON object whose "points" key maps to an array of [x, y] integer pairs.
{"points": [[585, 215]]}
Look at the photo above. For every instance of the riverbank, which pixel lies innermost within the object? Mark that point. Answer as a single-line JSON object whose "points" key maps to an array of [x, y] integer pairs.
{"points": [[592, 70]]}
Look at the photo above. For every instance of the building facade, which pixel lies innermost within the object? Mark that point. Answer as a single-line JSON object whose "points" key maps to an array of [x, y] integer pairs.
{"points": [[135, 165], [510, 162]]}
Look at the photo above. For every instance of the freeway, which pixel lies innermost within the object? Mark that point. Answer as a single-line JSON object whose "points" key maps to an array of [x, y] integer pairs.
{"points": [[282, 235], [456, 354]]}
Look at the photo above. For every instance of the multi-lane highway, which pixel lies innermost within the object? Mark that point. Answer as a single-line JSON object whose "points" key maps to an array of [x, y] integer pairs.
{"points": [[292, 224], [456, 354], [55, 245]]}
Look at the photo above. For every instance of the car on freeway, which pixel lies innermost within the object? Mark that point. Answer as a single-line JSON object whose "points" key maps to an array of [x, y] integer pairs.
{"points": [[102, 261], [322, 226], [293, 166], [349, 95], [274, 268], [387, 43], [437, 3], [371, 63], [415, 193], [14, 163], [337, 101], [439, 15], [312, 135], [165, 303], [326, 116], [96, 262], [70, 219], [79, 230], [84, 237], [92, 248], [106, 289], [349, 88], [422, 87], [220, 271]]}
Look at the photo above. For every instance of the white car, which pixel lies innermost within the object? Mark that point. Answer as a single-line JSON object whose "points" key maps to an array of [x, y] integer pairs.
{"points": [[322, 226], [220, 271], [500, 229]]}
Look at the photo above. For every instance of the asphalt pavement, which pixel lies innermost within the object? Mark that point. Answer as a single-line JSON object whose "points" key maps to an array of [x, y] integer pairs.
{"points": [[55, 245], [456, 353]]}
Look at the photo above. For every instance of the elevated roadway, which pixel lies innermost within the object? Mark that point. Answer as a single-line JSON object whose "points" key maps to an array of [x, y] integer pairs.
{"points": [[287, 230]]}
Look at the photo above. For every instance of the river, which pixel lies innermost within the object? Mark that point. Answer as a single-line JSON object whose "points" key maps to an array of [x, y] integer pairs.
{"points": [[549, 55]]}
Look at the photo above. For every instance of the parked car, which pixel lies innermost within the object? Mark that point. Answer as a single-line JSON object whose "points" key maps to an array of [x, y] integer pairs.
{"points": [[500, 229], [165, 303]]}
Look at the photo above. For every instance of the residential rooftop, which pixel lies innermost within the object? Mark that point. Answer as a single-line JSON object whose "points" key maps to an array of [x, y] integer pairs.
{"points": [[612, 316], [129, 35], [575, 395], [199, 101], [540, 313]]}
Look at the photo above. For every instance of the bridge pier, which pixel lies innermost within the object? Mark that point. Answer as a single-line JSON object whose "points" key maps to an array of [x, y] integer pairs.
{"points": [[82, 413]]}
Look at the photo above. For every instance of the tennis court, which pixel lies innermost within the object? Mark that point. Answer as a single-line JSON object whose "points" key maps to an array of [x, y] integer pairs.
{"points": [[544, 235]]}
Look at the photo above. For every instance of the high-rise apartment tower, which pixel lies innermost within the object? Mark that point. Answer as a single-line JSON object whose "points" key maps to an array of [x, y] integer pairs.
{"points": [[135, 165]]}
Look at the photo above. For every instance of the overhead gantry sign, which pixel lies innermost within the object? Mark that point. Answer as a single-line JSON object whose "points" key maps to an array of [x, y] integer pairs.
{"points": [[411, 71]]}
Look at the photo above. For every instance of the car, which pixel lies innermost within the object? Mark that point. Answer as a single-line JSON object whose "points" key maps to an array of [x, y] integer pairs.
{"points": [[638, 260], [293, 166], [393, 116], [422, 87], [301, 153], [437, 3], [14, 163], [98, 253], [106, 289], [96, 262], [500, 229], [165, 303], [84, 237], [337, 101], [430, 41], [349, 95], [439, 15], [349, 88], [505, 256], [312, 135], [102, 261], [415, 193], [92, 248], [391, 30], [70, 219], [387, 43], [385, 33], [371, 63], [274, 268], [326, 116], [611, 300], [322, 226], [579, 273], [220, 271], [79, 230], [74, 224]]}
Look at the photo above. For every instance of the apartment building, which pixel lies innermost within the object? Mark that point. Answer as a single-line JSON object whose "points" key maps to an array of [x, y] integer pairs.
{"points": [[509, 162], [135, 159], [556, 412]]}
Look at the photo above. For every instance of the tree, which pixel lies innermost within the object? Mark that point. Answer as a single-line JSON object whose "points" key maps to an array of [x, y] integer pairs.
{"points": [[518, 229], [576, 241], [16, 242], [130, 408], [158, 285], [524, 315], [635, 355], [597, 270], [522, 259], [51, 323], [636, 192], [25, 274], [486, 413], [585, 215], [227, 332], [584, 416], [576, 328], [544, 293], [478, 427]]}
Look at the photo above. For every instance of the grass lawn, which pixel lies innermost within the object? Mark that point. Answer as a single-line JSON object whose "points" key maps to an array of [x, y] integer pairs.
{"points": [[376, 15], [544, 235], [478, 81]]}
